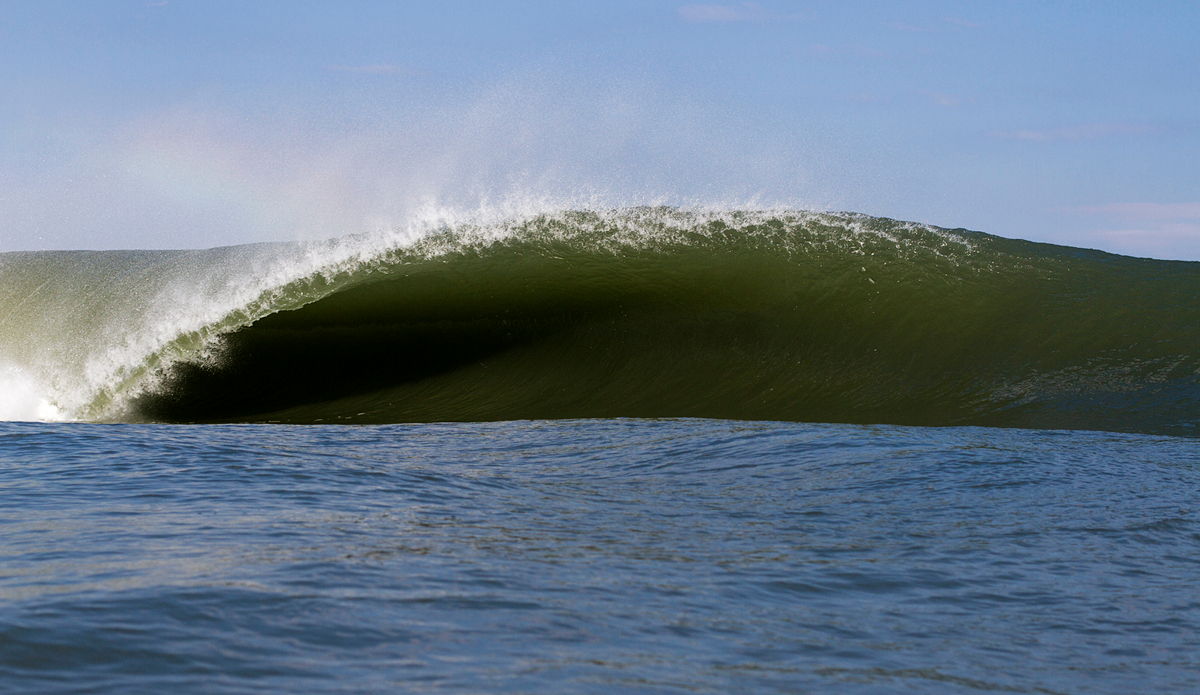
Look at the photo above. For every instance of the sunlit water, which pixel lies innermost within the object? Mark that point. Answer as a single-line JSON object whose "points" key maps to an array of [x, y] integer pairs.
{"points": [[596, 556]]}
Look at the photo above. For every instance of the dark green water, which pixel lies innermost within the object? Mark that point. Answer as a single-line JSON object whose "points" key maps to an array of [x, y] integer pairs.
{"points": [[638, 313], [722, 327]]}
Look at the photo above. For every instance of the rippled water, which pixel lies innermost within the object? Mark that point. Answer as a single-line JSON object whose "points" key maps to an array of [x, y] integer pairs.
{"points": [[596, 556]]}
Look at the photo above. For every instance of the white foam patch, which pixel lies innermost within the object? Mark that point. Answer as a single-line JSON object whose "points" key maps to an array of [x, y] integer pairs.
{"points": [[22, 399]]}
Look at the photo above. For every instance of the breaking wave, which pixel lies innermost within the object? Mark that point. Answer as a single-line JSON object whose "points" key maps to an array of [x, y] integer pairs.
{"points": [[643, 312]]}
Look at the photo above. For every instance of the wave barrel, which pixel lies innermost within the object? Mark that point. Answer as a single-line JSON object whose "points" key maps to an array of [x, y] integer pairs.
{"points": [[740, 315]]}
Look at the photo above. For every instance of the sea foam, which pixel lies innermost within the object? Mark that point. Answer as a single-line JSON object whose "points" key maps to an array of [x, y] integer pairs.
{"points": [[22, 398]]}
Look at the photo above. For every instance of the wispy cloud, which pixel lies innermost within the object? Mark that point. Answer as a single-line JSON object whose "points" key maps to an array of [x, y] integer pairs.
{"points": [[744, 12], [1086, 131], [1140, 211], [825, 50], [911, 28], [929, 28], [1176, 241], [1163, 230], [375, 69], [943, 99]]}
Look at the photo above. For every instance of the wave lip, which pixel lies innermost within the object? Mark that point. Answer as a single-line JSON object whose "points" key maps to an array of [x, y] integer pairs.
{"points": [[645, 312]]}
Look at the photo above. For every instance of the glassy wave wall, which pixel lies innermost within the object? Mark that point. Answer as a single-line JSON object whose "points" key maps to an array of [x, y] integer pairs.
{"points": [[645, 312]]}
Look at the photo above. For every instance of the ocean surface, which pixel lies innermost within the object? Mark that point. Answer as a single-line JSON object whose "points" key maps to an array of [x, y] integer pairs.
{"points": [[643, 450], [596, 556]]}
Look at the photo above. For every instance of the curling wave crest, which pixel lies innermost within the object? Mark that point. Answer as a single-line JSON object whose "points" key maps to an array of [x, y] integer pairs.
{"points": [[641, 312]]}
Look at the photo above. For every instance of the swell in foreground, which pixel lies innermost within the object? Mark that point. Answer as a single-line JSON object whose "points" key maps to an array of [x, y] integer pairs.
{"points": [[648, 312]]}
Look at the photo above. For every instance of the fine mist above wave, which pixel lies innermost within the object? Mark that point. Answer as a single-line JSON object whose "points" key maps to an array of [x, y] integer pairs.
{"points": [[643, 312]]}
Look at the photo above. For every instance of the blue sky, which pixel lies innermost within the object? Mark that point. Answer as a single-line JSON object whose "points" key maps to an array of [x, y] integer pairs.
{"points": [[192, 123]]}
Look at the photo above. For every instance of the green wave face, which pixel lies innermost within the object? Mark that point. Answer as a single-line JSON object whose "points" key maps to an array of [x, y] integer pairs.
{"points": [[663, 313]]}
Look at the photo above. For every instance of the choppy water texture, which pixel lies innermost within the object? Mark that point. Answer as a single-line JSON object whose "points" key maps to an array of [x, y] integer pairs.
{"points": [[596, 556], [650, 312]]}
